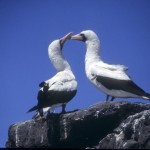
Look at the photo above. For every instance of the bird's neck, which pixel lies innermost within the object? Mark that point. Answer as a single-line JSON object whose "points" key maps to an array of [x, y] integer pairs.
{"points": [[92, 52], [58, 61]]}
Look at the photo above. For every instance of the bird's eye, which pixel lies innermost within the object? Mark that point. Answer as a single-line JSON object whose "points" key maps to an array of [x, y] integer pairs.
{"points": [[83, 37]]}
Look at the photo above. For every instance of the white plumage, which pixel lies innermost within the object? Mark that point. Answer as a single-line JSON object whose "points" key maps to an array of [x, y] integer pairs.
{"points": [[62, 87], [113, 80]]}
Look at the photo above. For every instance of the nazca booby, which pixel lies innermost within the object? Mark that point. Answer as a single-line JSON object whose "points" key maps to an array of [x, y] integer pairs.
{"points": [[113, 80], [62, 87]]}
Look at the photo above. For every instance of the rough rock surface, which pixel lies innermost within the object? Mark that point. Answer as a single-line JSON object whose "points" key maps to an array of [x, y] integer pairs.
{"points": [[103, 125], [133, 133]]}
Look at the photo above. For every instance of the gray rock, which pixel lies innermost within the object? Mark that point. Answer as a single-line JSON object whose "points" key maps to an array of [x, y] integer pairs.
{"points": [[132, 133], [79, 129], [28, 134]]}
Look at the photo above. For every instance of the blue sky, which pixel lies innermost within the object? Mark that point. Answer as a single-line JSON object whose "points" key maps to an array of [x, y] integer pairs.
{"points": [[28, 26]]}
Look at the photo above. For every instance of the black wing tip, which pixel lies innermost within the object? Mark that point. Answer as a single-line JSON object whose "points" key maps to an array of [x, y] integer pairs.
{"points": [[32, 109]]}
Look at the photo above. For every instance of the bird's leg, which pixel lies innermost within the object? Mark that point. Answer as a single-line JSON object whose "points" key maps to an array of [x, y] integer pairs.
{"points": [[107, 98], [112, 98], [48, 115], [41, 115], [63, 108], [36, 116], [41, 112]]}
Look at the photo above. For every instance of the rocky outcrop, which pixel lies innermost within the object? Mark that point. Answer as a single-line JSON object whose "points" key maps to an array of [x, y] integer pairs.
{"points": [[103, 125], [133, 133]]}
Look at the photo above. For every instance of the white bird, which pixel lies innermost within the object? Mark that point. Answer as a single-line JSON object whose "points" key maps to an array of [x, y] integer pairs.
{"points": [[113, 80], [62, 87]]}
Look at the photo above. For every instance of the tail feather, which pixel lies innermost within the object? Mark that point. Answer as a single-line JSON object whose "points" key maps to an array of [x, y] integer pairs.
{"points": [[146, 96], [32, 109]]}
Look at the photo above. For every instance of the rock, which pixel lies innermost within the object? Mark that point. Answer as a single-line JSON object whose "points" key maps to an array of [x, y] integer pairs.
{"points": [[28, 134], [88, 128], [132, 133]]}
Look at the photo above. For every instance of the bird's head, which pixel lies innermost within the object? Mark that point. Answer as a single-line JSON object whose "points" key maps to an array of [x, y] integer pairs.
{"points": [[59, 43], [85, 36]]}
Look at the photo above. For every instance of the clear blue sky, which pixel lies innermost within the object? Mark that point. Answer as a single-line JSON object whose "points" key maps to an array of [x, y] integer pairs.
{"points": [[28, 26]]}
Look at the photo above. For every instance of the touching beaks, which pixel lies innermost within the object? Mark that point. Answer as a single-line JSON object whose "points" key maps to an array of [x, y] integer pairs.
{"points": [[65, 38], [77, 37]]}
